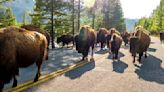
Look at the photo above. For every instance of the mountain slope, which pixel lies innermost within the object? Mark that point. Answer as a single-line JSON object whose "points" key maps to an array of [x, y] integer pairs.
{"points": [[130, 24]]}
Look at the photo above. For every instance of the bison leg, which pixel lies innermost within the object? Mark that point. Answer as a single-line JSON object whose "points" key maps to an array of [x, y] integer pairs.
{"points": [[63, 44], [113, 56], [116, 54], [145, 54], [140, 55], [15, 81], [134, 59], [85, 53], [93, 46], [38, 73], [102, 45], [1, 86], [83, 57]]}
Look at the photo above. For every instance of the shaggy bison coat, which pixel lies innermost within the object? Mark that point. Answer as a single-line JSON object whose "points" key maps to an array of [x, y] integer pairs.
{"points": [[84, 40], [125, 36], [101, 36], [115, 42], [37, 29], [139, 43], [65, 39], [20, 48]]}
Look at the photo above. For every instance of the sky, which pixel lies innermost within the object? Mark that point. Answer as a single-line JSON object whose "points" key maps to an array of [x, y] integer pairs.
{"points": [[134, 9]]}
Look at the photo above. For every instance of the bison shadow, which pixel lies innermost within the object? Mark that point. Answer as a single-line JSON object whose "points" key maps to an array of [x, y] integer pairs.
{"points": [[119, 66], [78, 72], [120, 54], [151, 49], [151, 70], [102, 51]]}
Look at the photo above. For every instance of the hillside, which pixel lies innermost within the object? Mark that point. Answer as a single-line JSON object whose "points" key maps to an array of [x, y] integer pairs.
{"points": [[130, 24]]}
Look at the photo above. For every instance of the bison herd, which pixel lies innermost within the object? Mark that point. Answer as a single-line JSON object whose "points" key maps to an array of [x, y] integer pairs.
{"points": [[21, 47]]}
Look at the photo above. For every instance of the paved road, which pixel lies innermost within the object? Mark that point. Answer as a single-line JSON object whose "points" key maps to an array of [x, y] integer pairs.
{"points": [[59, 58], [106, 75]]}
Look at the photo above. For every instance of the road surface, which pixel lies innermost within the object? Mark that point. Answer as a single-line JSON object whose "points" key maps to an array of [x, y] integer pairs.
{"points": [[106, 75]]}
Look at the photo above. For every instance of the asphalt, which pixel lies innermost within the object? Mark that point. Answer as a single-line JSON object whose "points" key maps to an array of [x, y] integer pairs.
{"points": [[107, 75]]}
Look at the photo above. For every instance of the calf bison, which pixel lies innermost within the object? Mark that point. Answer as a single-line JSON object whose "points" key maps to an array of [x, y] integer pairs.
{"points": [[84, 40], [139, 43], [20, 48], [66, 39]]}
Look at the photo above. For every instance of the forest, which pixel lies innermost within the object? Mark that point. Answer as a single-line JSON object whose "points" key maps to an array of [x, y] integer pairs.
{"points": [[155, 23], [66, 16]]}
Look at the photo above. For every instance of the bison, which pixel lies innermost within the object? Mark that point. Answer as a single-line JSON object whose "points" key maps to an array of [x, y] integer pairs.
{"points": [[65, 39], [101, 36], [139, 43], [115, 42], [84, 40], [125, 36], [20, 48], [161, 36]]}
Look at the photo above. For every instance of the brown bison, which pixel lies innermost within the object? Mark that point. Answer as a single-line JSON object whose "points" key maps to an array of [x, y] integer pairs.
{"points": [[37, 29], [125, 36], [161, 34], [20, 48], [101, 36], [115, 40], [139, 43], [65, 39], [84, 40]]}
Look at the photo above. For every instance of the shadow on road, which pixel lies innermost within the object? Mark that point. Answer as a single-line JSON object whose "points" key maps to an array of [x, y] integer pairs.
{"points": [[151, 49], [59, 59], [151, 70], [76, 73], [102, 51], [119, 66]]}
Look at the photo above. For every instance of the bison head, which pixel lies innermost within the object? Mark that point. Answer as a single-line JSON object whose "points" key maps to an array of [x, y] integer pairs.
{"points": [[134, 45]]}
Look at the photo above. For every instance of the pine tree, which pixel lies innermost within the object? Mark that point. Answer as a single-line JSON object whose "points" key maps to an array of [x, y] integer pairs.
{"points": [[7, 18], [118, 20], [53, 15], [6, 15], [112, 14], [155, 23]]}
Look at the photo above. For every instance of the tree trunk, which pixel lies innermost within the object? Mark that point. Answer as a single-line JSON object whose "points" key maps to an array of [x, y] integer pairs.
{"points": [[78, 26], [52, 25]]}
